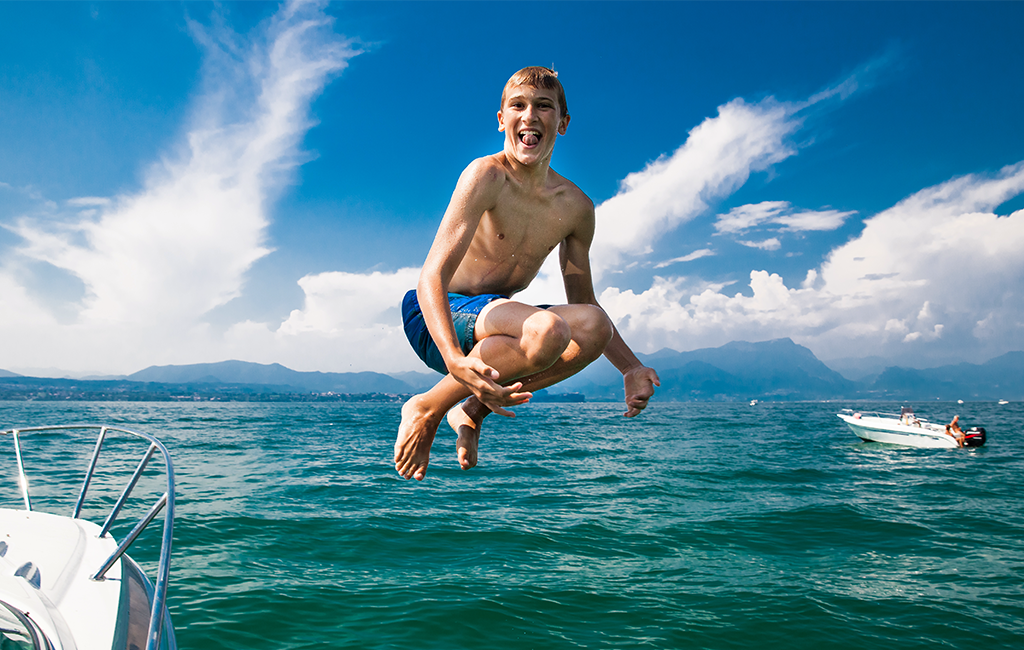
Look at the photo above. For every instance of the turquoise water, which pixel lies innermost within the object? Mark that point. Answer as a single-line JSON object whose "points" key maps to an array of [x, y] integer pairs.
{"points": [[693, 526]]}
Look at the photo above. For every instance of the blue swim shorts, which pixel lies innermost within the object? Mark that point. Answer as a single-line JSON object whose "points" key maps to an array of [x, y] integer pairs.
{"points": [[465, 310]]}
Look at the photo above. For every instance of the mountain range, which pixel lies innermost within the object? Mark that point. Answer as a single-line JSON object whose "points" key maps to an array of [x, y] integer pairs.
{"points": [[777, 370]]}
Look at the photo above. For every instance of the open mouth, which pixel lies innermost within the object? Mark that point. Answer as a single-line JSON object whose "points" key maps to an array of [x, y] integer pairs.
{"points": [[529, 137]]}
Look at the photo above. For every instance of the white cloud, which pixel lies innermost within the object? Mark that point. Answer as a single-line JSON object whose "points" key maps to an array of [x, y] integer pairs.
{"points": [[937, 268], [337, 302], [154, 262], [814, 220], [695, 255], [744, 217], [770, 244], [717, 158], [88, 201], [348, 322]]}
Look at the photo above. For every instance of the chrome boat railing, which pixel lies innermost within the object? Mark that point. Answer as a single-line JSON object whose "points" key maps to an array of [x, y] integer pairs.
{"points": [[165, 502]]}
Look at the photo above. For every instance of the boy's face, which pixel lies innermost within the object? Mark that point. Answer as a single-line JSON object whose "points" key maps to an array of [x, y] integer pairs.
{"points": [[530, 118]]}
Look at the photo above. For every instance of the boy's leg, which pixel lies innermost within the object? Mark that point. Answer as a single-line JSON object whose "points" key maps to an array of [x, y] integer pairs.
{"points": [[518, 341], [590, 330]]}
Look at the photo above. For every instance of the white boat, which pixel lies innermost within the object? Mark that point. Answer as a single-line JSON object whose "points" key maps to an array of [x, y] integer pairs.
{"points": [[907, 429], [65, 583], [1003, 401]]}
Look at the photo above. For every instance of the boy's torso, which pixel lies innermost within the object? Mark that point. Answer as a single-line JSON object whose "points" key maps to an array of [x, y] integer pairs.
{"points": [[514, 238]]}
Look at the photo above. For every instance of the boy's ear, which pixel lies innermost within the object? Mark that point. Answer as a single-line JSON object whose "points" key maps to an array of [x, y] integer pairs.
{"points": [[501, 122], [563, 125]]}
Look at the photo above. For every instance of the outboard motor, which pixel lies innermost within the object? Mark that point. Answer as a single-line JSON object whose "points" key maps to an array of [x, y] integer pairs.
{"points": [[974, 437]]}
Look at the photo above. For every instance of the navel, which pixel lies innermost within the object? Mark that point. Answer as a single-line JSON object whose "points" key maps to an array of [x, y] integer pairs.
{"points": [[501, 235]]}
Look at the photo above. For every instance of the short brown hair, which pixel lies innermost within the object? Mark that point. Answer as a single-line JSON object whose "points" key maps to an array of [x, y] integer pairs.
{"points": [[537, 77]]}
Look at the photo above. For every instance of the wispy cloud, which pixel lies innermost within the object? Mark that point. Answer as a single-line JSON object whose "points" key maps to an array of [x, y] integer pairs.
{"points": [[695, 255], [746, 217], [88, 201], [717, 158], [770, 244], [154, 261]]}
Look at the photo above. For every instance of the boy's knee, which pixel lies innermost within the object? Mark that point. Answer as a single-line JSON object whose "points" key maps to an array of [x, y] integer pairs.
{"points": [[594, 330], [545, 336]]}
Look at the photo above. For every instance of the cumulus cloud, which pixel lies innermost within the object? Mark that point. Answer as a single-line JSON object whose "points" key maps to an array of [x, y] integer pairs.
{"points": [[153, 262], [348, 322], [939, 267]]}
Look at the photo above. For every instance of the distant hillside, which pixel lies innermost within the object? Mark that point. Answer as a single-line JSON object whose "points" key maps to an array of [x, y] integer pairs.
{"points": [[999, 378], [7, 373], [273, 375], [776, 370], [779, 370]]}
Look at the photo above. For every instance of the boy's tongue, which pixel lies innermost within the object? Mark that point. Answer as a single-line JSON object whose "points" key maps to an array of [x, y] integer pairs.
{"points": [[530, 139]]}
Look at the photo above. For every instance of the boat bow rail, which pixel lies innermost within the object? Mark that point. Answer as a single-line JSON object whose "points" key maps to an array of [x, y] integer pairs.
{"points": [[164, 503]]}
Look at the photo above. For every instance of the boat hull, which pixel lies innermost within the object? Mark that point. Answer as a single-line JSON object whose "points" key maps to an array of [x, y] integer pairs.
{"points": [[889, 430]]}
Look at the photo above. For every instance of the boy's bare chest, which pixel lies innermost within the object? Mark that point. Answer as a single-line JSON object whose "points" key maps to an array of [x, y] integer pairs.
{"points": [[530, 231], [529, 222]]}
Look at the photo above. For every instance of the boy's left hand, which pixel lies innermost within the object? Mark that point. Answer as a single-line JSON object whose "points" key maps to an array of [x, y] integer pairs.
{"points": [[639, 384]]}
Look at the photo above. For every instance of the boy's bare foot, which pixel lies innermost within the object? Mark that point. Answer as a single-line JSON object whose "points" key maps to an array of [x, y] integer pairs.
{"points": [[465, 420], [415, 436]]}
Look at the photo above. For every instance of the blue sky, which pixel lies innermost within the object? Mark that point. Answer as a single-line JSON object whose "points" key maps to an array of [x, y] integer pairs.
{"points": [[189, 182]]}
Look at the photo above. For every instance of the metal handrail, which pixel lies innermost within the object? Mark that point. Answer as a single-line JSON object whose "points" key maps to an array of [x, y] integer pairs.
{"points": [[165, 502]]}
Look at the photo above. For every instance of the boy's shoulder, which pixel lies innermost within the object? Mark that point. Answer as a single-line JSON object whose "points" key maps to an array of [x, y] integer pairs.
{"points": [[491, 164], [484, 171]]}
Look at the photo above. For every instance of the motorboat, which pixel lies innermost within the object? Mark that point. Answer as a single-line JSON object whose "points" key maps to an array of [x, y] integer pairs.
{"points": [[65, 582], [907, 429]]}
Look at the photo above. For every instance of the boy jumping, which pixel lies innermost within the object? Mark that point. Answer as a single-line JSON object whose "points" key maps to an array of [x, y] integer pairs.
{"points": [[508, 212]]}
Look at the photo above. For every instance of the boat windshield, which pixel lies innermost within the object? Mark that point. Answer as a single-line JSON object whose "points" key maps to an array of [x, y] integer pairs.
{"points": [[19, 632]]}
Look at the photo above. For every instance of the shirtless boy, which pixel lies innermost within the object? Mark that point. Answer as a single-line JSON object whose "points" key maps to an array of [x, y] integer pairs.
{"points": [[508, 212]]}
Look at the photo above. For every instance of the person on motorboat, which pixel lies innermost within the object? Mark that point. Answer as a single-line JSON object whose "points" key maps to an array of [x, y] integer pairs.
{"points": [[907, 417], [953, 429]]}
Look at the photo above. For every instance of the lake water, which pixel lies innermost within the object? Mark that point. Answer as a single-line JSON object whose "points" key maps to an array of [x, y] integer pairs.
{"points": [[692, 526]]}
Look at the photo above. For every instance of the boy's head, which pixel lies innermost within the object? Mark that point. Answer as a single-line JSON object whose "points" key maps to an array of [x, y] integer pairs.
{"points": [[537, 77]]}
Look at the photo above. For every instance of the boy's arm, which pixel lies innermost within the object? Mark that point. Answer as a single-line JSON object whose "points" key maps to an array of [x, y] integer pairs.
{"points": [[477, 191], [574, 257]]}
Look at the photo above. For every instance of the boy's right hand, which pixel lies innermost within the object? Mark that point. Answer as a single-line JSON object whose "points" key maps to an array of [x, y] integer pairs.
{"points": [[481, 380]]}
